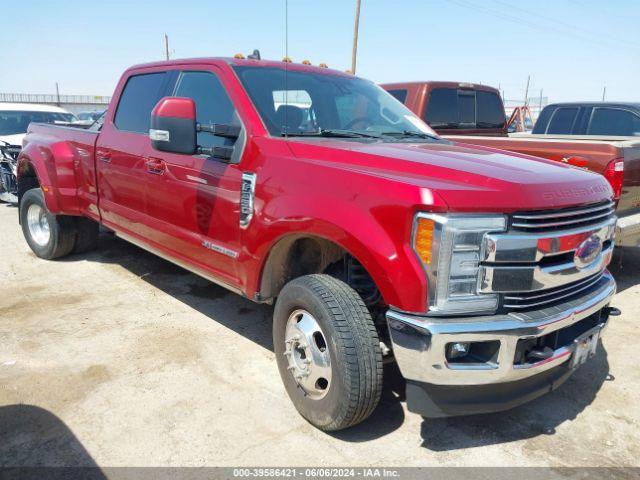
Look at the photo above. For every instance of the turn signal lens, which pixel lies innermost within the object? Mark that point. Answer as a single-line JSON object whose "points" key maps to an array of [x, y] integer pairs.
{"points": [[424, 239]]}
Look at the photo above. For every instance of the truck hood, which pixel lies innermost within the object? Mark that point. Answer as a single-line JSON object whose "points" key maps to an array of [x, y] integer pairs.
{"points": [[13, 139], [467, 178]]}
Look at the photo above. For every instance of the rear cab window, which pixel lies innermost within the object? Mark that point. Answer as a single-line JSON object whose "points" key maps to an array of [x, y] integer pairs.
{"points": [[464, 109]]}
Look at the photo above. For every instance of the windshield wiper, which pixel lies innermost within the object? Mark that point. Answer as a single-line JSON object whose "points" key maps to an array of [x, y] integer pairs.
{"points": [[410, 133], [325, 132]]}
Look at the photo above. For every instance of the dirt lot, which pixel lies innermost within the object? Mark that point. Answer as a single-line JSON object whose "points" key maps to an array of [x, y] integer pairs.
{"points": [[119, 358]]}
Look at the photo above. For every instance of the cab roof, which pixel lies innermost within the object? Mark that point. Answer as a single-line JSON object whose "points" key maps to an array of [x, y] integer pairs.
{"points": [[244, 62], [439, 84]]}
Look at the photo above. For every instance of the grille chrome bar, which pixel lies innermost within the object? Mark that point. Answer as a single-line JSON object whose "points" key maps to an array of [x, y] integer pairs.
{"points": [[529, 221], [552, 295], [564, 222], [565, 213]]}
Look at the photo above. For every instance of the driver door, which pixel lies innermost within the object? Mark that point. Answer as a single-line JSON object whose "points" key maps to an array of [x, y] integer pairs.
{"points": [[193, 201]]}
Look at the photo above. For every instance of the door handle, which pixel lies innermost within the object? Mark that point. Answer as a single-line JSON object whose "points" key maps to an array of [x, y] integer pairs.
{"points": [[103, 155], [155, 165]]}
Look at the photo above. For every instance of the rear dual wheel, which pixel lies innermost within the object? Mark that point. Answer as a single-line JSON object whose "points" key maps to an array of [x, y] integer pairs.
{"points": [[328, 352], [52, 236]]}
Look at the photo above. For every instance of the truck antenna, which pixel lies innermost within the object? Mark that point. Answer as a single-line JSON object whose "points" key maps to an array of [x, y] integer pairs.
{"points": [[286, 56]]}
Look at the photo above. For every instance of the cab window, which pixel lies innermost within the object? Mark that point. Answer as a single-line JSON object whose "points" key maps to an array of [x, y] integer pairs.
{"points": [[213, 105], [562, 121], [140, 95], [614, 121], [399, 94]]}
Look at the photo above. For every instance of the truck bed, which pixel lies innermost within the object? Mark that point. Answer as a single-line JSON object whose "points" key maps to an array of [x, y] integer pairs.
{"points": [[69, 153]]}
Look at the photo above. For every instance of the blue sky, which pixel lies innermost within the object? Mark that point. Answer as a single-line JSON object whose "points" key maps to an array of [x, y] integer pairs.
{"points": [[571, 48]]}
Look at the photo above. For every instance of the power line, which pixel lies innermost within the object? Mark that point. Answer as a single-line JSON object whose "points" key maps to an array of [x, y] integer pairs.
{"points": [[606, 36], [528, 23]]}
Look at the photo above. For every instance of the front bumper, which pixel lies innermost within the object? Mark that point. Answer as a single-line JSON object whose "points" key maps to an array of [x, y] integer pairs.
{"points": [[628, 230], [436, 387]]}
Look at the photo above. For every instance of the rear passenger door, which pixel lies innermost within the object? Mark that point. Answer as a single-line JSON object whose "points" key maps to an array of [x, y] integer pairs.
{"points": [[120, 153], [194, 201]]}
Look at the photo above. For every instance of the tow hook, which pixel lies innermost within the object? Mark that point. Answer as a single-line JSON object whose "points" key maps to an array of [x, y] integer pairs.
{"points": [[612, 311]]}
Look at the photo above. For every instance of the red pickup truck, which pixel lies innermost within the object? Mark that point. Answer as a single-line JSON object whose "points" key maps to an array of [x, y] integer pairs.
{"points": [[454, 108], [482, 275]]}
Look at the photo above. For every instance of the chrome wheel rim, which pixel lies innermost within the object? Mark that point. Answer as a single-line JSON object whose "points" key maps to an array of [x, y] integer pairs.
{"points": [[307, 353], [38, 225]]}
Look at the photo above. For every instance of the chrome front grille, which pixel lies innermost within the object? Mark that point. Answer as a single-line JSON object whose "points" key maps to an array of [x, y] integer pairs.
{"points": [[533, 264], [564, 219], [522, 301]]}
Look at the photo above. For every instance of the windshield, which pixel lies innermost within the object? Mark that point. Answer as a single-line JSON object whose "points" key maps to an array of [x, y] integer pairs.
{"points": [[13, 122], [313, 103]]}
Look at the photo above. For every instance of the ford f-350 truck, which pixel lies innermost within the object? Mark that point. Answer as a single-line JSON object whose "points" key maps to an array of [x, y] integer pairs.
{"points": [[482, 275]]}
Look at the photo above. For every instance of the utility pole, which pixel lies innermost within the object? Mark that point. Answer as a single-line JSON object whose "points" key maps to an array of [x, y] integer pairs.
{"points": [[526, 92], [540, 103], [354, 50], [57, 94], [604, 93], [166, 46]]}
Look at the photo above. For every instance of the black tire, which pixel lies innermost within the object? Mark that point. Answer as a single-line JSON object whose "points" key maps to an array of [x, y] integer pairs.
{"points": [[86, 235], [353, 345], [62, 229]]}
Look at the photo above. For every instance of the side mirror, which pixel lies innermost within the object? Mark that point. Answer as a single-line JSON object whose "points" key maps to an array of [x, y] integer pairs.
{"points": [[173, 125]]}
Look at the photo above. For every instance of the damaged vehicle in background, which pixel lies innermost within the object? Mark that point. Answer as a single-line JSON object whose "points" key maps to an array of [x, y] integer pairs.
{"points": [[8, 162]]}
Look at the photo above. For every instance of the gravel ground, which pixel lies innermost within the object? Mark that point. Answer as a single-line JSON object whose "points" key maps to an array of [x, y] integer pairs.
{"points": [[119, 358]]}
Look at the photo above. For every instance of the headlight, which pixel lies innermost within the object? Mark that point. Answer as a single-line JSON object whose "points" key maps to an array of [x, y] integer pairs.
{"points": [[450, 248]]}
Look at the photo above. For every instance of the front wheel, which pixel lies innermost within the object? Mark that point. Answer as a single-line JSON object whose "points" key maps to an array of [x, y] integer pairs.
{"points": [[49, 236], [328, 351]]}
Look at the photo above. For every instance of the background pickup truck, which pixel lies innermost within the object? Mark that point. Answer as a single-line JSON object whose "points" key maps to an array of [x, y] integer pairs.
{"points": [[482, 274], [454, 108], [616, 158], [594, 136]]}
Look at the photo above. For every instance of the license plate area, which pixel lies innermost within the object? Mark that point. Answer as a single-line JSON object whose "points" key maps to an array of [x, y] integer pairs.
{"points": [[585, 346]]}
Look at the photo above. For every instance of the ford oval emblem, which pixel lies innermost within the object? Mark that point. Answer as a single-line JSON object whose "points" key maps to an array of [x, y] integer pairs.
{"points": [[587, 252]]}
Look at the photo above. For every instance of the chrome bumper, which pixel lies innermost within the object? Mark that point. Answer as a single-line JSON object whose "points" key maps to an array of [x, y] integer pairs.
{"points": [[419, 342], [628, 231]]}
